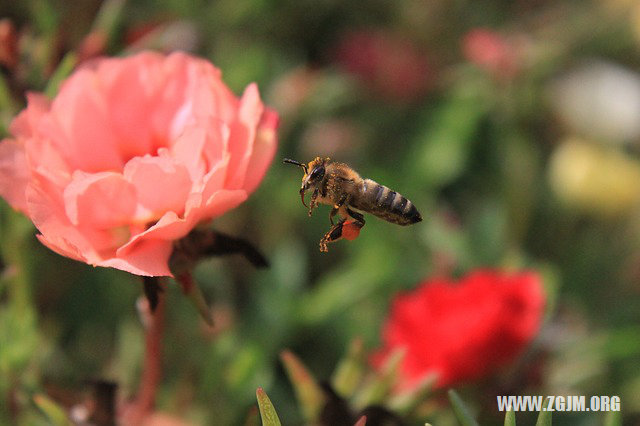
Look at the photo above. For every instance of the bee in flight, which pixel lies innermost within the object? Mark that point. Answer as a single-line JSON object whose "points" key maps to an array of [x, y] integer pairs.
{"points": [[338, 185]]}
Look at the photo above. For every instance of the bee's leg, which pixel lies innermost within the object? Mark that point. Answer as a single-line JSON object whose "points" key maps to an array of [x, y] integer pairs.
{"points": [[358, 217], [337, 207], [334, 234], [313, 204], [332, 213], [355, 224], [348, 228]]}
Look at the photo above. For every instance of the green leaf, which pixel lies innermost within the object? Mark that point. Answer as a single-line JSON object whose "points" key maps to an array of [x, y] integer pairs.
{"points": [[8, 106], [379, 387], [193, 292], [613, 418], [54, 413], [407, 403], [510, 418], [64, 69], [332, 296], [245, 369], [519, 158], [544, 418], [108, 18], [45, 16], [463, 414], [350, 370], [267, 411], [308, 392], [443, 144], [622, 343]]}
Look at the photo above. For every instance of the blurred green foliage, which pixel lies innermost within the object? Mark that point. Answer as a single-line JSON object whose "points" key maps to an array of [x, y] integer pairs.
{"points": [[472, 152]]}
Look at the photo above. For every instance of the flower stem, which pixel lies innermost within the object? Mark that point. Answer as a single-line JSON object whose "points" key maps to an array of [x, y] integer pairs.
{"points": [[152, 367]]}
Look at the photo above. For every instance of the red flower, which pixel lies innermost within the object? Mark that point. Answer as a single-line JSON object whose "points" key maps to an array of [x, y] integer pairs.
{"points": [[465, 331]]}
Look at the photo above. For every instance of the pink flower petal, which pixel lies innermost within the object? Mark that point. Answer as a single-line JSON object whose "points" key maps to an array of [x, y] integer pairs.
{"points": [[171, 227], [217, 100], [264, 149], [62, 246], [48, 167], [83, 243], [202, 146], [57, 232], [27, 122], [14, 174], [241, 139], [101, 200], [222, 201], [160, 183], [147, 257], [81, 113], [213, 181], [132, 91], [175, 108]]}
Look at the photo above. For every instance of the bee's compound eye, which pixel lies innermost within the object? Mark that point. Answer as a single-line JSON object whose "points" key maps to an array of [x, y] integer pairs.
{"points": [[317, 173]]}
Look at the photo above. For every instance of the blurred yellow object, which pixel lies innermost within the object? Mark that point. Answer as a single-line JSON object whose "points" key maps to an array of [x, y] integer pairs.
{"points": [[626, 9], [635, 21], [619, 5], [595, 179]]}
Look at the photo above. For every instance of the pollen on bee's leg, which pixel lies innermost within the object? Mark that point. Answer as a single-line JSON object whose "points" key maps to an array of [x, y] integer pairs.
{"points": [[351, 229]]}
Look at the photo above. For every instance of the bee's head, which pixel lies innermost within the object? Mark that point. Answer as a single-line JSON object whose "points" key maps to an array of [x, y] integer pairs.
{"points": [[313, 174]]}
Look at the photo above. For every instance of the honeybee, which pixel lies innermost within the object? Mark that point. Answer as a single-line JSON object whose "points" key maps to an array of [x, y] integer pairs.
{"points": [[338, 185]]}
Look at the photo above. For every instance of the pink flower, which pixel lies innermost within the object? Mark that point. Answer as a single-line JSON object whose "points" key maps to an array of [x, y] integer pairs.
{"points": [[463, 331], [131, 155], [389, 64], [492, 52]]}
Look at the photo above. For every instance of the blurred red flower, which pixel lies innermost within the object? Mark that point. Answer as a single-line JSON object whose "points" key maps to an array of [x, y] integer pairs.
{"points": [[491, 51], [392, 66], [131, 155], [462, 331], [8, 43]]}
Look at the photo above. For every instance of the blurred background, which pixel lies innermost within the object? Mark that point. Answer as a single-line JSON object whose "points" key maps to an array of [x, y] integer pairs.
{"points": [[514, 126]]}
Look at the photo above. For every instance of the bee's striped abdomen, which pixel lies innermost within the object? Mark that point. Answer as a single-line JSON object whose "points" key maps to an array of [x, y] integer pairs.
{"points": [[386, 204]]}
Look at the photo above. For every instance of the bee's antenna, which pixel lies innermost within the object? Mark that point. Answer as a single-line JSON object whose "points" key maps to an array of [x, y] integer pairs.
{"points": [[304, 166]]}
